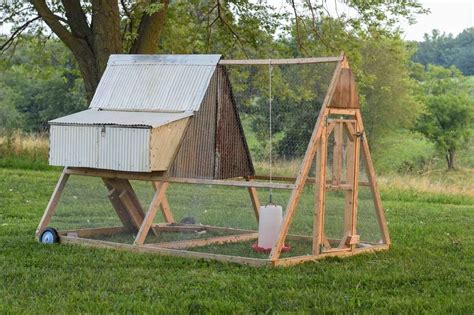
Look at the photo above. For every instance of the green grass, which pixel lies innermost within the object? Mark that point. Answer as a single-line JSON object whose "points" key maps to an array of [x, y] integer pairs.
{"points": [[429, 269]]}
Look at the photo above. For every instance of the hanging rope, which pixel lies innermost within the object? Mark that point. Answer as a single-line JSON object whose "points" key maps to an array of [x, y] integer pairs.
{"points": [[270, 122]]}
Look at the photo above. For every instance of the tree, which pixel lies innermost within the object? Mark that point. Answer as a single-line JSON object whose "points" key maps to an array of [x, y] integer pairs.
{"points": [[448, 118], [93, 30], [445, 50]]}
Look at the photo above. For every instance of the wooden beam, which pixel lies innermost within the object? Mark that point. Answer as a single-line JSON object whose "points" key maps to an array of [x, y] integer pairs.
{"points": [[153, 176], [285, 262], [319, 194], [164, 206], [355, 186], [292, 61], [95, 231], [342, 111], [255, 262], [337, 154], [218, 240], [348, 193], [369, 166], [119, 207], [150, 215], [53, 202], [255, 201], [305, 167]]}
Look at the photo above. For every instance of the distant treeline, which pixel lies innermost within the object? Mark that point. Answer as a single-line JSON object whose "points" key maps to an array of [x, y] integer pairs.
{"points": [[445, 50]]}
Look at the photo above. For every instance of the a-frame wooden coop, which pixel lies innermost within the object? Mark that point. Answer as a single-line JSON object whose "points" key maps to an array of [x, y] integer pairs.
{"points": [[181, 123]]}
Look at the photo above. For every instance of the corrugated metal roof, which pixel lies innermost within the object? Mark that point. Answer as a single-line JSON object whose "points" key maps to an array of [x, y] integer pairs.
{"points": [[121, 118], [168, 83]]}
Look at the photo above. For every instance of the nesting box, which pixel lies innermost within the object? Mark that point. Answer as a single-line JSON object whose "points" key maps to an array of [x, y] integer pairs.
{"points": [[170, 113]]}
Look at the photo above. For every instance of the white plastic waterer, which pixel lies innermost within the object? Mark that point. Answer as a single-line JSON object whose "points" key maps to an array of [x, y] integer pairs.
{"points": [[269, 224]]}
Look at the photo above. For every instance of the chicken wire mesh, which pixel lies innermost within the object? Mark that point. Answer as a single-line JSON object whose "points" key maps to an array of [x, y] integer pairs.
{"points": [[296, 93]]}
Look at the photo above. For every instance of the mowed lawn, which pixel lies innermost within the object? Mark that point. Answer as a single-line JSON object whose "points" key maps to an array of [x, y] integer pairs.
{"points": [[429, 269]]}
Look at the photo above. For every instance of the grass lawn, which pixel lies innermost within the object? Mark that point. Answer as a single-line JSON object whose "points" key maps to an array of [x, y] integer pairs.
{"points": [[429, 269]]}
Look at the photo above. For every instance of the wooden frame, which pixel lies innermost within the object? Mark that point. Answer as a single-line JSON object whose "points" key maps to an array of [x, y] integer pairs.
{"points": [[336, 117]]}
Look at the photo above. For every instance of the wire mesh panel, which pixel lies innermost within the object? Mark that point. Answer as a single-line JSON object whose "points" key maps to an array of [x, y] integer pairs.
{"points": [[277, 106]]}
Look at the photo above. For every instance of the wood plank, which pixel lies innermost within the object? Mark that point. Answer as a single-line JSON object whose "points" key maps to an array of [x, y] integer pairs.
{"points": [[255, 262], [96, 231], [119, 207], [255, 201], [218, 240], [165, 142], [337, 154], [150, 215], [305, 167], [355, 186], [319, 194], [158, 177], [342, 111], [285, 262], [164, 206], [135, 216], [348, 194], [369, 166], [279, 61], [53, 202]]}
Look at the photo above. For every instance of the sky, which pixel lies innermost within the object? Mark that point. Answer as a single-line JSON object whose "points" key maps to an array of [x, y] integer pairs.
{"points": [[449, 16]]}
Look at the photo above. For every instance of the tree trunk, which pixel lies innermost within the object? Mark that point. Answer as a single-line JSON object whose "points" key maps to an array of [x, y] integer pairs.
{"points": [[450, 158], [91, 45]]}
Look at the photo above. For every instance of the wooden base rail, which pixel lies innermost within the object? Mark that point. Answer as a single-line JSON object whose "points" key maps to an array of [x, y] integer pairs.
{"points": [[249, 261]]}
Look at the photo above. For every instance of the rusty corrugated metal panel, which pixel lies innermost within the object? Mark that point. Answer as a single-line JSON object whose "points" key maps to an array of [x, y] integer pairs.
{"points": [[232, 153], [155, 83], [196, 156], [114, 148], [102, 117]]}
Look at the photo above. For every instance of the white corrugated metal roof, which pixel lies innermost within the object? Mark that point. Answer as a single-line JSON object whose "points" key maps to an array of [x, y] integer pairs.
{"points": [[121, 118], [171, 83]]}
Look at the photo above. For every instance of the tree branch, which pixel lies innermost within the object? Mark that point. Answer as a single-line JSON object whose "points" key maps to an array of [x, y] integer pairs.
{"points": [[76, 19], [149, 30], [16, 33], [52, 21]]}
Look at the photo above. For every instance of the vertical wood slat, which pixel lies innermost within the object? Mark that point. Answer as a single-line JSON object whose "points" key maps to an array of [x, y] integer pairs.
{"points": [[355, 185], [150, 215], [348, 193], [318, 226], [305, 167], [337, 154], [53, 202], [373, 184]]}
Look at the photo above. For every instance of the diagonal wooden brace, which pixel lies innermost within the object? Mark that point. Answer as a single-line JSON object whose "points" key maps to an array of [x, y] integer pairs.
{"points": [[164, 206], [151, 213]]}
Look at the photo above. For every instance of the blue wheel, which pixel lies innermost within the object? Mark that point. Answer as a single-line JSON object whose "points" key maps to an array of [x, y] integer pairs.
{"points": [[49, 236]]}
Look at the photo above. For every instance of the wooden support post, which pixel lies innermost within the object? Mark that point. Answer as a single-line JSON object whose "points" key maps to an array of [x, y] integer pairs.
{"points": [[369, 166], [164, 206], [320, 190], [53, 202], [305, 167], [255, 201], [120, 208], [150, 215], [348, 193], [355, 186], [337, 154]]}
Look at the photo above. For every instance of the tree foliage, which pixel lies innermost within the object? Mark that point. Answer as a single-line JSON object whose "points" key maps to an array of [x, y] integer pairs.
{"points": [[445, 50], [449, 114]]}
